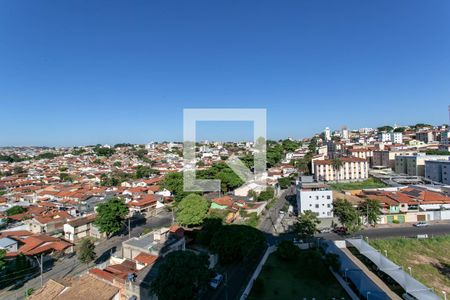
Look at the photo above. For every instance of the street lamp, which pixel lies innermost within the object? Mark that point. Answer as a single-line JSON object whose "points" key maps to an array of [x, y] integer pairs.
{"points": [[410, 271], [41, 266], [345, 274], [367, 297], [445, 295]]}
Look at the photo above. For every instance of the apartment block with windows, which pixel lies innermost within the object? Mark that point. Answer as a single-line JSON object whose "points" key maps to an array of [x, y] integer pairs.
{"points": [[314, 196]]}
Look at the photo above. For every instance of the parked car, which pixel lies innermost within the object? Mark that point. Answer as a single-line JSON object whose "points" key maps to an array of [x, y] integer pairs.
{"points": [[325, 230], [421, 224], [340, 230], [216, 281]]}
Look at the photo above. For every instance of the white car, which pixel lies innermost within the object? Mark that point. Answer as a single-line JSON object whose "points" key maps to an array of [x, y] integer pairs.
{"points": [[215, 282], [421, 224]]}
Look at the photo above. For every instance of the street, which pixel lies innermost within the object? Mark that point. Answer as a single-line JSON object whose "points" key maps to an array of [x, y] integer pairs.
{"points": [[72, 267], [401, 231]]}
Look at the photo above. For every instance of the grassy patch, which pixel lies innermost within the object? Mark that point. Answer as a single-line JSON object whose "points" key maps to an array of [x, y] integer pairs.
{"points": [[252, 219], [428, 258], [297, 279], [370, 183]]}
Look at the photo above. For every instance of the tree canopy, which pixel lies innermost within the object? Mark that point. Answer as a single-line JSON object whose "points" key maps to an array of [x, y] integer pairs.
{"points": [[86, 251], [15, 210], [192, 210], [306, 225], [181, 275], [104, 151], [233, 243], [347, 215], [111, 215], [371, 209]]}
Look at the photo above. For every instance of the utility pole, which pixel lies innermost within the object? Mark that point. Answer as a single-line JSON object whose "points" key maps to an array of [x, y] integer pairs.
{"points": [[129, 227], [41, 266]]}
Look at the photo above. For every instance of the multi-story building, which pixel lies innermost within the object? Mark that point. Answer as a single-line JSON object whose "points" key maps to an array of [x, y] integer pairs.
{"points": [[426, 136], [365, 153], [386, 158], [393, 137], [314, 196], [414, 165], [352, 169], [438, 171]]}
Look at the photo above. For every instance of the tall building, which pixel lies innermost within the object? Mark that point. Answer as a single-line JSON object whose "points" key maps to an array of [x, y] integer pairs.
{"points": [[314, 196], [344, 133], [327, 133]]}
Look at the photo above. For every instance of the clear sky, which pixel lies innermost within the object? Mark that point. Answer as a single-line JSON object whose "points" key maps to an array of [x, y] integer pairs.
{"points": [[88, 72]]}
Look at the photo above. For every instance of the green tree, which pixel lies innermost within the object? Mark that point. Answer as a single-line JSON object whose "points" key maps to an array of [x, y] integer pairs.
{"points": [[233, 243], [144, 172], [287, 250], [2, 259], [181, 275], [386, 128], [104, 151], [15, 210], [192, 210], [284, 182], [65, 177], [86, 251], [266, 195], [306, 225], [111, 215], [371, 209], [210, 226], [337, 166], [174, 183], [347, 215]]}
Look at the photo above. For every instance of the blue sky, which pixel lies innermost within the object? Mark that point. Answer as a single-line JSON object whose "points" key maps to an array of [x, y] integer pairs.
{"points": [[87, 72]]}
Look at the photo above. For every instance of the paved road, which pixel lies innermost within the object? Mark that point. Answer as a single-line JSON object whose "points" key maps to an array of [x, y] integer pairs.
{"points": [[71, 266], [403, 231]]}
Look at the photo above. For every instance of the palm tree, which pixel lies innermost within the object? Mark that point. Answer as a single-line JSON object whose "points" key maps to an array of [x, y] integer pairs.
{"points": [[337, 165]]}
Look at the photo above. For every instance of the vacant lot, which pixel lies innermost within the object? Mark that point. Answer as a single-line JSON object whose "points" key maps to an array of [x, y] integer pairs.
{"points": [[428, 258], [306, 277], [370, 183]]}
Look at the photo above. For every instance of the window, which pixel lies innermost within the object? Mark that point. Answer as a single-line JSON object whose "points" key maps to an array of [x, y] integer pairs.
{"points": [[328, 205], [317, 205], [328, 197]]}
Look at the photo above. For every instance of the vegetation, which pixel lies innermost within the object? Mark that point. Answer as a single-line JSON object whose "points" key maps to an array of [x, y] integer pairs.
{"points": [[144, 172], [347, 215], [251, 219], [104, 151], [111, 215], [267, 195], [181, 275], [437, 152], [370, 183], [2, 258], [86, 251], [386, 128], [284, 182], [234, 243], [15, 210], [287, 251], [192, 210], [371, 209], [174, 183], [65, 177], [429, 259], [306, 276], [306, 225], [229, 180], [210, 226], [46, 155], [337, 166]]}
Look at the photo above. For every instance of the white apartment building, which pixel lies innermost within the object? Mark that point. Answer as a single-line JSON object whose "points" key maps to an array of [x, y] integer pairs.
{"points": [[353, 169], [314, 196], [393, 137]]}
